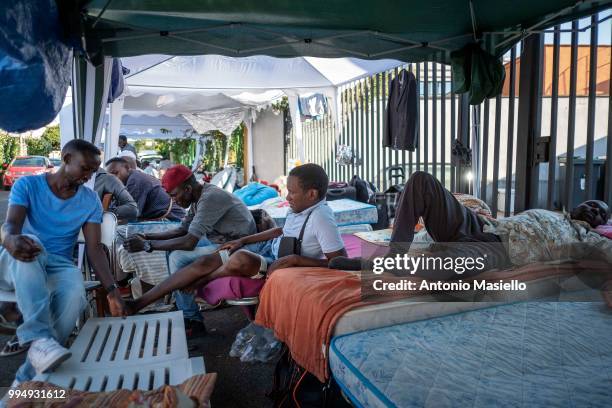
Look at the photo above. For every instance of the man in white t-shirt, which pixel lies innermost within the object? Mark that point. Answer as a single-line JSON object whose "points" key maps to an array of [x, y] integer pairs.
{"points": [[258, 254]]}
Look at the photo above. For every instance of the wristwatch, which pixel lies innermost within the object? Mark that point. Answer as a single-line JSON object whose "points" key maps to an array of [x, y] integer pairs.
{"points": [[147, 246], [111, 288]]}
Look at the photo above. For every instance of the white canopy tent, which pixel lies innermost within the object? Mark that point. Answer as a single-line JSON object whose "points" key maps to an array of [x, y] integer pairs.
{"points": [[218, 92]]}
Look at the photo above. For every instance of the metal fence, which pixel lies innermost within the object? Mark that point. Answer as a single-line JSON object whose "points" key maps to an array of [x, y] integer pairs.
{"points": [[540, 143]]}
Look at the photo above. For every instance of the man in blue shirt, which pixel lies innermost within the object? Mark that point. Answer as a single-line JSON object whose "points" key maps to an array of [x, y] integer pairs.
{"points": [[43, 220]]}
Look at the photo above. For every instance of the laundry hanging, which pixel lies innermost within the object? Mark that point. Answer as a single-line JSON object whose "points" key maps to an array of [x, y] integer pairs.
{"points": [[401, 120], [477, 72]]}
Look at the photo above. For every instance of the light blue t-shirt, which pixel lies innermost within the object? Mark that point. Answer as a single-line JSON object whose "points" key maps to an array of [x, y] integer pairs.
{"points": [[54, 221], [321, 235]]}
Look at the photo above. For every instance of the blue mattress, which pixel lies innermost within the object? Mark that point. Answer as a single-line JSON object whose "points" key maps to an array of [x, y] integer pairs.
{"points": [[536, 354], [346, 212]]}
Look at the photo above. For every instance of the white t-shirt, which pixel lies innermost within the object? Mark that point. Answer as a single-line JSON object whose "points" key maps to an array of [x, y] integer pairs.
{"points": [[321, 235]]}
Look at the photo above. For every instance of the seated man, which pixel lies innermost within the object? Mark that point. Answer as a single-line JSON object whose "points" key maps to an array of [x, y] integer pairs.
{"points": [[310, 220], [122, 205], [43, 220], [532, 236], [153, 202], [215, 217], [148, 168]]}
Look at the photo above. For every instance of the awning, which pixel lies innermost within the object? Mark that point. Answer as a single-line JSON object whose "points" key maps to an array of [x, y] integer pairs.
{"points": [[412, 30]]}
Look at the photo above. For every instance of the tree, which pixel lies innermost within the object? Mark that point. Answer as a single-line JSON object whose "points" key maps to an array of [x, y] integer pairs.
{"points": [[48, 142]]}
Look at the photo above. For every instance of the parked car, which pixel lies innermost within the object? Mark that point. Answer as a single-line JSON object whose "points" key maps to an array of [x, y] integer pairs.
{"points": [[56, 164], [25, 166]]}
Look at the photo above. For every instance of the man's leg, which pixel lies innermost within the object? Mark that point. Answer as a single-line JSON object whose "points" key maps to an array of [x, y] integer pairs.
{"points": [[67, 292], [180, 279], [446, 220], [180, 259]]}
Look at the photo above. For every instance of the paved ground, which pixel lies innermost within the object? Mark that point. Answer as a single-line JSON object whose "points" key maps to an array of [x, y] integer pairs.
{"points": [[238, 384]]}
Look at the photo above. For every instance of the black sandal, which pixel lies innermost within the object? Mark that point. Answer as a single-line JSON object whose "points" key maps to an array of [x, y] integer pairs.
{"points": [[12, 348]]}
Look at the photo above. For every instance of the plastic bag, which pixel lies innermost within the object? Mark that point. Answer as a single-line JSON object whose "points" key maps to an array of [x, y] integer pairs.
{"points": [[256, 344]]}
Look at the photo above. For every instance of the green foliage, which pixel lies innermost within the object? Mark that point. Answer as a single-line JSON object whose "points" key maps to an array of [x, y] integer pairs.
{"points": [[183, 150], [9, 146], [49, 141], [281, 106]]}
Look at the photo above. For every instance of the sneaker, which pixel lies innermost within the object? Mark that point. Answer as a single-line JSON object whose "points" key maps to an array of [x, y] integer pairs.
{"points": [[46, 354], [194, 328]]}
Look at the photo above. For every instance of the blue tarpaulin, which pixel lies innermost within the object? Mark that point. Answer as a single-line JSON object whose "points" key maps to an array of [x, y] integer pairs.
{"points": [[35, 64]]}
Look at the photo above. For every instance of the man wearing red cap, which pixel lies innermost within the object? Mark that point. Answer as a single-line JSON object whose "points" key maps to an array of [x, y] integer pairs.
{"points": [[215, 217]]}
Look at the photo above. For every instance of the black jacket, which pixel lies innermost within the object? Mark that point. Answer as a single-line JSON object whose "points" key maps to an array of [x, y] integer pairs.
{"points": [[401, 120]]}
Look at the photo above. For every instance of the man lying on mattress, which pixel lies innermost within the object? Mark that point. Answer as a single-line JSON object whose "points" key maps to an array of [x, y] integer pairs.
{"points": [[532, 236], [309, 237]]}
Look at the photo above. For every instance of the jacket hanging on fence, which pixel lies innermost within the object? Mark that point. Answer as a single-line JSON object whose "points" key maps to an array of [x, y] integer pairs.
{"points": [[401, 120]]}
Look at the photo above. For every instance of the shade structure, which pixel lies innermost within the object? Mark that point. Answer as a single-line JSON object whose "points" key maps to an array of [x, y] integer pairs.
{"points": [[412, 30]]}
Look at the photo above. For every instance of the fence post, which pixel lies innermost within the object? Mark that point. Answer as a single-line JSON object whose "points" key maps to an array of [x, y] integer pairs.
{"points": [[462, 185], [529, 123]]}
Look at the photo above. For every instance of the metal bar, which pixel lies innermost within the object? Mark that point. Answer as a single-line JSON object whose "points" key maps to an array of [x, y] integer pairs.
{"points": [[554, 108], [158, 33], [419, 133], [464, 136], [410, 154], [396, 151], [529, 123], [590, 142], [552, 16], [510, 145], [434, 118], [608, 175], [554, 30], [403, 154], [426, 119], [372, 138], [495, 185], [191, 40], [362, 128], [571, 122], [443, 126], [484, 152], [383, 150], [453, 136]]}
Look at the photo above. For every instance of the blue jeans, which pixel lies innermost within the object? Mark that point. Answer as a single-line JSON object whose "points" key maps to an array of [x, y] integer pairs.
{"points": [[179, 259], [50, 295]]}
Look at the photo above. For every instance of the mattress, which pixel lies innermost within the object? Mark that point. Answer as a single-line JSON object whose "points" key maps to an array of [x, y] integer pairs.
{"points": [[426, 307], [535, 354], [346, 212]]}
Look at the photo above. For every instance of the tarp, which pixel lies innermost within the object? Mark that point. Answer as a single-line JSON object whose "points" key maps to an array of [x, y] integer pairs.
{"points": [[411, 30], [34, 64]]}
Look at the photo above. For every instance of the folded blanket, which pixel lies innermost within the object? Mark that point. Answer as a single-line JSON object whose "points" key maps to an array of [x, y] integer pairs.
{"points": [[194, 392], [302, 305]]}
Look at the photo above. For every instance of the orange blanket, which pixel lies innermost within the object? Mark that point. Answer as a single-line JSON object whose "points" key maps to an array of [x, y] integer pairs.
{"points": [[302, 305]]}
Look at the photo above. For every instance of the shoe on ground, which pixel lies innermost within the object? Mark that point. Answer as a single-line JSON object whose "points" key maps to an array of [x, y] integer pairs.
{"points": [[194, 328], [46, 354]]}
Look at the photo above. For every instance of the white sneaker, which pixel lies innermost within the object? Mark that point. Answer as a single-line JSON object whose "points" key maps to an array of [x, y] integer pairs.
{"points": [[46, 354]]}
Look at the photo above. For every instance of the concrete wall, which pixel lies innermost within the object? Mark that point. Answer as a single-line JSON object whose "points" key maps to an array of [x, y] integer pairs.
{"points": [[268, 146]]}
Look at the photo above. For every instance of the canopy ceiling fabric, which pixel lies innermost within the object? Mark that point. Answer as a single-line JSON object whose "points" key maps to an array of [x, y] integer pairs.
{"points": [[411, 31]]}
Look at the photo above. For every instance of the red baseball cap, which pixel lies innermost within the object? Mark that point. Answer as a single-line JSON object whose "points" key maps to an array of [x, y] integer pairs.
{"points": [[175, 176]]}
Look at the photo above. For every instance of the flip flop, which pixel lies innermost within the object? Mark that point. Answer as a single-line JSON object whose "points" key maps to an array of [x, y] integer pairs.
{"points": [[12, 348]]}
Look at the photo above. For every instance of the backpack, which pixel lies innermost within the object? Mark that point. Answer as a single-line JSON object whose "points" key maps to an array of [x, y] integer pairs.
{"points": [[293, 386]]}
